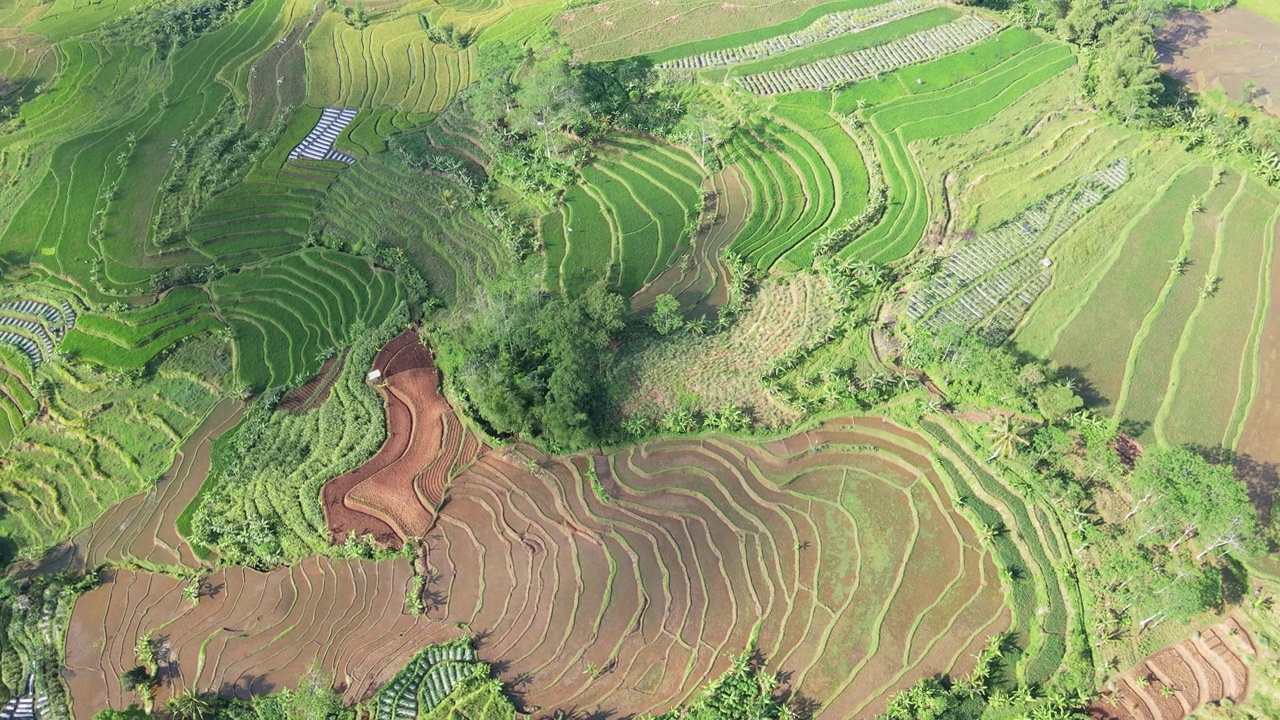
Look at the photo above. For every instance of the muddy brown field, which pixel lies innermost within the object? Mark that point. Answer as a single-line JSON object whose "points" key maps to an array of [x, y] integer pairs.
{"points": [[395, 495], [1235, 51], [1178, 680], [838, 548]]}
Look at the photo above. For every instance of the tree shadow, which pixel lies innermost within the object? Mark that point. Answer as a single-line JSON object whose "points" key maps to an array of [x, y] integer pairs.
{"points": [[211, 590], [1182, 31], [1084, 387], [1262, 479]]}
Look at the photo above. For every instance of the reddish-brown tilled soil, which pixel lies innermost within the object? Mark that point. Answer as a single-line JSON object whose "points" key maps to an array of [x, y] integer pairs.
{"points": [[837, 549], [1224, 51], [257, 632], [1178, 680], [861, 577], [395, 494]]}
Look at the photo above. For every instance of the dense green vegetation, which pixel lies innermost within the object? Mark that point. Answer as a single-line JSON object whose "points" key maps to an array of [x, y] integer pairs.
{"points": [[260, 506], [530, 364]]}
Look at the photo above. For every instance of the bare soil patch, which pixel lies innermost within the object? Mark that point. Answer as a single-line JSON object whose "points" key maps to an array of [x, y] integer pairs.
{"points": [[1178, 680], [394, 496], [254, 632], [1224, 51]]}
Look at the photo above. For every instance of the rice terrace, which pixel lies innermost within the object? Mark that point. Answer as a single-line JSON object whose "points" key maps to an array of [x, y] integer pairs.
{"points": [[647, 359]]}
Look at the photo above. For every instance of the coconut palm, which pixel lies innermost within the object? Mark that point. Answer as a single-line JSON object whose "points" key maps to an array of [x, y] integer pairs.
{"points": [[194, 706], [1005, 434]]}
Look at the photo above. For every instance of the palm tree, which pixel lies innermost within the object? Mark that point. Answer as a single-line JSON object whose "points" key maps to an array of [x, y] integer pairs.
{"points": [[194, 706], [1006, 437]]}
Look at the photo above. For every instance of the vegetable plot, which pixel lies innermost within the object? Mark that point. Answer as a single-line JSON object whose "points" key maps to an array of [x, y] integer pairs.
{"points": [[851, 67]]}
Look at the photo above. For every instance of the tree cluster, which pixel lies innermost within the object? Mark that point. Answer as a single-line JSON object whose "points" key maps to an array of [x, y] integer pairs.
{"points": [[542, 110], [207, 162], [1117, 39], [445, 34], [167, 25], [973, 372], [530, 364]]}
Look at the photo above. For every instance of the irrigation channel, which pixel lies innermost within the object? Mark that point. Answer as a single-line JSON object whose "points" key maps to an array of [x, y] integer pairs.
{"points": [[620, 582]]}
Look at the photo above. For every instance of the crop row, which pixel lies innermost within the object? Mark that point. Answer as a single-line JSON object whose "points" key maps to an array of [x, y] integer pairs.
{"points": [[35, 328], [991, 281], [824, 28], [286, 314], [425, 681], [814, 177], [897, 124], [842, 69]]}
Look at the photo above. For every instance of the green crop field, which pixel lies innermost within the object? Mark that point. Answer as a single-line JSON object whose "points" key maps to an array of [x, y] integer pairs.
{"points": [[627, 219], [389, 64]]}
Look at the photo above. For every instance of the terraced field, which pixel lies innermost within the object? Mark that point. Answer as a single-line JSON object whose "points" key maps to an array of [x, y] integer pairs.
{"points": [[269, 212], [693, 546], [452, 247], [657, 376], [1164, 371], [928, 116], [143, 529], [18, 404], [628, 218], [699, 278], [988, 284], [850, 67], [102, 211], [397, 493], [134, 338], [99, 444], [614, 30], [1045, 600], [387, 64], [285, 314], [807, 175], [252, 633], [1176, 682], [853, 603]]}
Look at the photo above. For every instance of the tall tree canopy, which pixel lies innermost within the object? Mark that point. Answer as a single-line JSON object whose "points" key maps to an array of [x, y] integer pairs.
{"points": [[1184, 498], [532, 364]]}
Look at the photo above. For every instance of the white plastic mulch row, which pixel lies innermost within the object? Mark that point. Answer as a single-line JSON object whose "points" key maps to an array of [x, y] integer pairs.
{"points": [[49, 330], [824, 28], [992, 281], [862, 64], [318, 144]]}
